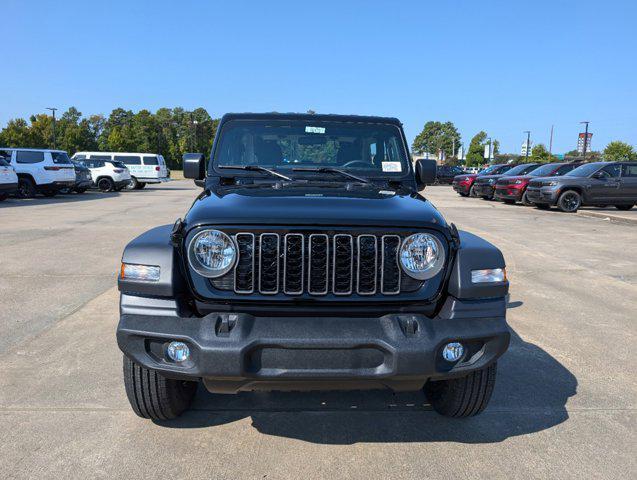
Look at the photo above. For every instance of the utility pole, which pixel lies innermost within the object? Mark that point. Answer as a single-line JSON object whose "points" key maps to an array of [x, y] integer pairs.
{"points": [[528, 145], [551, 144], [453, 148], [53, 111], [490, 151], [585, 140]]}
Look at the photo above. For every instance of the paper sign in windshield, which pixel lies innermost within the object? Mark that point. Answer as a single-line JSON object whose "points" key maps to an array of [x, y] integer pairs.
{"points": [[309, 129], [392, 167]]}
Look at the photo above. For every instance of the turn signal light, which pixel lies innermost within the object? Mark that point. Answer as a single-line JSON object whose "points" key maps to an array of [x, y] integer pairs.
{"points": [[140, 273], [489, 275]]}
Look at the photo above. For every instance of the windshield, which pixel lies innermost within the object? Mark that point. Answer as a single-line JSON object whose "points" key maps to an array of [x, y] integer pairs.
{"points": [[585, 170], [543, 171], [494, 169], [367, 149], [521, 169]]}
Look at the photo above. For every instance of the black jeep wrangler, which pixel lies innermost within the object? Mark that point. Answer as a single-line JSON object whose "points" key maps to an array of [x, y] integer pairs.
{"points": [[310, 261]]}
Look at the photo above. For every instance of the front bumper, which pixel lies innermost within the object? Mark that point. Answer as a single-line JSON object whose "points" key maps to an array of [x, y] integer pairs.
{"points": [[544, 195], [483, 190], [461, 187], [153, 179], [508, 193], [237, 351]]}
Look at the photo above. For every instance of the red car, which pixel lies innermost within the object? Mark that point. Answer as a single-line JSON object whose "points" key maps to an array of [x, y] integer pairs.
{"points": [[513, 189], [463, 184]]}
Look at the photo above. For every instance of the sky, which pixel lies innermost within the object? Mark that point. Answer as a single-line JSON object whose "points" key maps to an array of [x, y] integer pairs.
{"points": [[499, 66]]}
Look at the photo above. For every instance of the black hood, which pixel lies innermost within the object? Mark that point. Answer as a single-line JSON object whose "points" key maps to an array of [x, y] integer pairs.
{"points": [[313, 206], [486, 178]]}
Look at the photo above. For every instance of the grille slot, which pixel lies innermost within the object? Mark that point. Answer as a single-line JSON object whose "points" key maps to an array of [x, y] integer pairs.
{"points": [[317, 264], [269, 263], [317, 277]]}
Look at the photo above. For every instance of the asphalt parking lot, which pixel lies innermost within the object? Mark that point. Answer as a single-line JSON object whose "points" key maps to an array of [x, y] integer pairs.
{"points": [[564, 405]]}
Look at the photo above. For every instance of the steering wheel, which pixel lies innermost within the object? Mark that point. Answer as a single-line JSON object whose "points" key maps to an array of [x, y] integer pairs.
{"points": [[352, 163]]}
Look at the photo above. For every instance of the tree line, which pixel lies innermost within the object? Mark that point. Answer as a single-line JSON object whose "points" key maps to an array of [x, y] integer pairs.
{"points": [[170, 132], [444, 137]]}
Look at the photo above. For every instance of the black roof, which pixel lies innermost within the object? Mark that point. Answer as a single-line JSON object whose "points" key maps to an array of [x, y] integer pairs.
{"points": [[311, 117]]}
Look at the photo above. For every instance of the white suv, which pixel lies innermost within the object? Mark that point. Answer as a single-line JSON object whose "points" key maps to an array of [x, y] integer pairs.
{"points": [[108, 175], [8, 179], [144, 167], [40, 170]]}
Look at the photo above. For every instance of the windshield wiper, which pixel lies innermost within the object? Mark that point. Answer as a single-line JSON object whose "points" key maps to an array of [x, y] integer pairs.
{"points": [[330, 170], [255, 168]]}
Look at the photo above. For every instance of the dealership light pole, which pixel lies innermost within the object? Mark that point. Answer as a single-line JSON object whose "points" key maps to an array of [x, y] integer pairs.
{"points": [[528, 145], [53, 109], [551, 144], [585, 139]]}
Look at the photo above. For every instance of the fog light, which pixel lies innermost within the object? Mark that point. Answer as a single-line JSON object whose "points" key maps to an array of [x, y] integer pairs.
{"points": [[452, 352], [178, 351]]}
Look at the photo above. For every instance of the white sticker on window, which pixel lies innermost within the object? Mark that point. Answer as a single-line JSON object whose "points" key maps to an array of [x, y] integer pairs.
{"points": [[392, 167], [314, 129]]}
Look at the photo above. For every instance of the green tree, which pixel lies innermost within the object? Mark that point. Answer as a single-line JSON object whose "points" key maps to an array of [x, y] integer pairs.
{"points": [[16, 134], [617, 151], [437, 136], [539, 154], [475, 154]]}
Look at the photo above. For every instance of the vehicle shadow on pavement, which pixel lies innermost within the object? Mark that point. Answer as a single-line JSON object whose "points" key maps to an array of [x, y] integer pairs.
{"points": [[61, 198], [530, 396]]}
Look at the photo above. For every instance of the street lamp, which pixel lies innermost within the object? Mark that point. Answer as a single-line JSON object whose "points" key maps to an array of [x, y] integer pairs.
{"points": [[528, 145], [53, 109], [585, 139]]}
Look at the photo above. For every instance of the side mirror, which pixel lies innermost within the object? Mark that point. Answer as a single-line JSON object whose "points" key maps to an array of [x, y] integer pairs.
{"points": [[194, 166], [599, 175], [425, 172]]}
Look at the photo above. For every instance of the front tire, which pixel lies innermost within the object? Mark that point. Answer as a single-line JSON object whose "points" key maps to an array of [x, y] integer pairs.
{"points": [[154, 396], [569, 201], [624, 207], [132, 184], [464, 396], [525, 200]]}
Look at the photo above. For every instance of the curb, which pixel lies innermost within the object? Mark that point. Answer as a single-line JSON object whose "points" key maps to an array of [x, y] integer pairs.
{"points": [[610, 217]]}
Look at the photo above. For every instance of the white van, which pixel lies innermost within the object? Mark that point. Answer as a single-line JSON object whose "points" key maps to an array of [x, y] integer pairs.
{"points": [[144, 167], [40, 170]]}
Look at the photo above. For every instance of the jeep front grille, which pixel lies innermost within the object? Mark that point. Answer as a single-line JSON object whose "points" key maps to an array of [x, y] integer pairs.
{"points": [[316, 264]]}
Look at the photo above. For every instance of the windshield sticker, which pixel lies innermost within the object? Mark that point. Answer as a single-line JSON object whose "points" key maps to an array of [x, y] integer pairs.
{"points": [[309, 129], [392, 167], [387, 192]]}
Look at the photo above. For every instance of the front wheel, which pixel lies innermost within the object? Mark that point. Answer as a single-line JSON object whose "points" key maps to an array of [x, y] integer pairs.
{"points": [[569, 201], [132, 184], [624, 207], [154, 396], [509, 202], [464, 396]]}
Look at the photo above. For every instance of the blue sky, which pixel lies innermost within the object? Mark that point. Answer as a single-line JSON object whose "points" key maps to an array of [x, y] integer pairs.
{"points": [[499, 66]]}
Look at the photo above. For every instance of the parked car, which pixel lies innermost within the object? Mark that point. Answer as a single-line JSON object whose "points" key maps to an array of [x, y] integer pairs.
{"points": [[446, 173], [108, 175], [463, 184], [512, 189], [310, 261], [8, 179], [143, 167], [597, 184], [484, 185], [83, 179], [40, 170]]}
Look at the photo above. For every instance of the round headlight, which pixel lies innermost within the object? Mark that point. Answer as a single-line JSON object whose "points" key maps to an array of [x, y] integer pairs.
{"points": [[422, 256], [212, 253]]}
